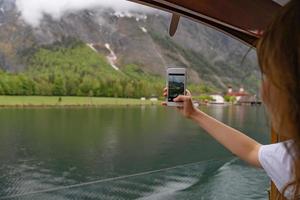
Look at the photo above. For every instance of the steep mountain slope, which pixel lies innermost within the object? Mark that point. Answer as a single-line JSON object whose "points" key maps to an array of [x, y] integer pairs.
{"points": [[133, 38]]}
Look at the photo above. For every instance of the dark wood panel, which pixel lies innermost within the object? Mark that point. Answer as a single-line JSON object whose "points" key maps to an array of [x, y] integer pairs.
{"points": [[244, 20], [245, 14]]}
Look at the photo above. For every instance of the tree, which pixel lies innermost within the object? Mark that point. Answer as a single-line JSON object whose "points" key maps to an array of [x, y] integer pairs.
{"points": [[118, 89], [59, 87], [87, 85], [26, 85], [1, 90], [129, 90], [230, 99], [72, 83]]}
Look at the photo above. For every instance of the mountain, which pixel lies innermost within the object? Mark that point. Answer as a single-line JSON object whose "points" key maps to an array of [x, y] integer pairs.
{"points": [[133, 38]]}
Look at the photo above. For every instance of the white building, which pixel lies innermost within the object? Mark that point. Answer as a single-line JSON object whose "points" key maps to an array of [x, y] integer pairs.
{"points": [[217, 99], [154, 99]]}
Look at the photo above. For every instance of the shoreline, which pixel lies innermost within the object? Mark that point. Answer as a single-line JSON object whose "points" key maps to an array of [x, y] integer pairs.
{"points": [[69, 102], [75, 106]]}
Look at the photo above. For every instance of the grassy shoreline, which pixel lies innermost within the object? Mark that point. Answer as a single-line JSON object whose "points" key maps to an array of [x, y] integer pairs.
{"points": [[54, 101]]}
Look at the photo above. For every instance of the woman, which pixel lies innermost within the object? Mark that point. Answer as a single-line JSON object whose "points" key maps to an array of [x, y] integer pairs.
{"points": [[279, 57]]}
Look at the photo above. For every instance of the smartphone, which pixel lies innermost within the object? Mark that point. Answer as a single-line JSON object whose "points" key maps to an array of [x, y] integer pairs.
{"points": [[176, 84]]}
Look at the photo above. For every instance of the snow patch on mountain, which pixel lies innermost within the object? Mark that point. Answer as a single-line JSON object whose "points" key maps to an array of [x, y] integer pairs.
{"points": [[112, 57]]}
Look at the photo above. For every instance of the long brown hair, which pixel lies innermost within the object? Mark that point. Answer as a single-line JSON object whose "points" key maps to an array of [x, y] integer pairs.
{"points": [[279, 58]]}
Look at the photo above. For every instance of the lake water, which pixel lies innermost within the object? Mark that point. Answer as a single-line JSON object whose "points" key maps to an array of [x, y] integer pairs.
{"points": [[125, 153]]}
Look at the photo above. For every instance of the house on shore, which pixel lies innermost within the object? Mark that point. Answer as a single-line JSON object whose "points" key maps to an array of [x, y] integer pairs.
{"points": [[238, 95], [217, 99], [249, 100], [242, 97]]}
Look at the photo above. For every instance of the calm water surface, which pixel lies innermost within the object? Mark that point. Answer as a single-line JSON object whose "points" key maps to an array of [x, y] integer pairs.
{"points": [[124, 153]]}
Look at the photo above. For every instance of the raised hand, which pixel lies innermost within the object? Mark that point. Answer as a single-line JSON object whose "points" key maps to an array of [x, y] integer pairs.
{"points": [[187, 108]]}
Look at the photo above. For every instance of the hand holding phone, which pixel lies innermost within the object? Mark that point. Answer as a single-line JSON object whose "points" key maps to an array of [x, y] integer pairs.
{"points": [[176, 84]]}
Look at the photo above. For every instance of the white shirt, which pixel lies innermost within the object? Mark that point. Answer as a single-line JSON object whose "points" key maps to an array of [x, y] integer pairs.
{"points": [[278, 164]]}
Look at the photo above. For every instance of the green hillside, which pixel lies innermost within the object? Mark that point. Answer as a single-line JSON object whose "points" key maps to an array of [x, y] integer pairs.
{"points": [[70, 68]]}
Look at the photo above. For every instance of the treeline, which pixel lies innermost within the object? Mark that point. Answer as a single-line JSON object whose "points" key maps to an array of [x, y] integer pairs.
{"points": [[53, 84], [77, 71], [73, 69]]}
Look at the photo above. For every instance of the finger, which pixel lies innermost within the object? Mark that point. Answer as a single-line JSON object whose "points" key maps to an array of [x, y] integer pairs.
{"points": [[181, 98], [188, 93], [165, 94]]}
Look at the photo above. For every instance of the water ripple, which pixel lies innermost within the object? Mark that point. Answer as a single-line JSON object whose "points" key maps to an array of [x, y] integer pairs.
{"points": [[146, 185]]}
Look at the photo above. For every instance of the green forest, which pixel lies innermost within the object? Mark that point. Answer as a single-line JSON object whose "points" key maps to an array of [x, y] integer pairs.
{"points": [[71, 68]]}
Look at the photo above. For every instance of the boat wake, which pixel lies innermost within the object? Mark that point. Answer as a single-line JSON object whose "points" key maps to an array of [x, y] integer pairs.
{"points": [[208, 179]]}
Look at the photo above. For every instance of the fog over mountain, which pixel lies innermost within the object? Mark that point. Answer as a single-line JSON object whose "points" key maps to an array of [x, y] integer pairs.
{"points": [[125, 33], [33, 10]]}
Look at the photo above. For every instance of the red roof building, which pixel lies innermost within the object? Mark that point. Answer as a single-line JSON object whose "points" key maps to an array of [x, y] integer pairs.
{"points": [[240, 93]]}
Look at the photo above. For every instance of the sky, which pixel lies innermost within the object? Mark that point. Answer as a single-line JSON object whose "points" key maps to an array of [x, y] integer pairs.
{"points": [[33, 10]]}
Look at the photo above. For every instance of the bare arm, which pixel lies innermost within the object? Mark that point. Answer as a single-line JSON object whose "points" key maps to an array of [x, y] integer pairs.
{"points": [[235, 141]]}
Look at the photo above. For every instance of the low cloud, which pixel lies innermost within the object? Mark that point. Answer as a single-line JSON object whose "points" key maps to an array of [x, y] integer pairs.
{"points": [[33, 11]]}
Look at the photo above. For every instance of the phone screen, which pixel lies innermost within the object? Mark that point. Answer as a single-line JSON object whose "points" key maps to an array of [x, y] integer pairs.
{"points": [[175, 86]]}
